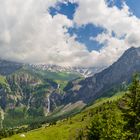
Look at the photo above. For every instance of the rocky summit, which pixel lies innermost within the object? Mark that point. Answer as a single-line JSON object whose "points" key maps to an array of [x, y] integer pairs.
{"points": [[117, 75]]}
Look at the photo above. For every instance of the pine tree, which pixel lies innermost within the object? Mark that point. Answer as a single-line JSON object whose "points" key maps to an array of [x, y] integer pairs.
{"points": [[107, 124], [131, 109]]}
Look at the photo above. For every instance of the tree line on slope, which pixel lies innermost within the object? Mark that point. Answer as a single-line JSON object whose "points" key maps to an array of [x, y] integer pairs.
{"points": [[119, 120]]}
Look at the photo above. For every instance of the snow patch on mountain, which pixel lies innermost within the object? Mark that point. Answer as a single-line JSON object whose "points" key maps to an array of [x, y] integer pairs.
{"points": [[85, 72]]}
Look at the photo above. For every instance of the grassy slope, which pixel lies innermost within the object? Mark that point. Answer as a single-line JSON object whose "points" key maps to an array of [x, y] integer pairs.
{"points": [[62, 76], [3, 80], [66, 129], [4, 83]]}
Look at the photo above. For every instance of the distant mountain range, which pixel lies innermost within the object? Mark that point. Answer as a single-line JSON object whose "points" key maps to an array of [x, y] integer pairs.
{"points": [[34, 91], [85, 72], [7, 67]]}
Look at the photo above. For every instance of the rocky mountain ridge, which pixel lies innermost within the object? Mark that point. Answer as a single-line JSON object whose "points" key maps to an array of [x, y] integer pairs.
{"points": [[118, 74], [85, 72]]}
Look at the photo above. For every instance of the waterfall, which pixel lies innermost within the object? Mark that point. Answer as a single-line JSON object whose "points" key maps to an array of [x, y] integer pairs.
{"points": [[58, 86], [1, 118], [29, 101], [48, 110]]}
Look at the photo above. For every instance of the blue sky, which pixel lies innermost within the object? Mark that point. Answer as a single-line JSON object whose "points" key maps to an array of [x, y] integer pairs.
{"points": [[84, 33], [134, 6], [65, 9]]}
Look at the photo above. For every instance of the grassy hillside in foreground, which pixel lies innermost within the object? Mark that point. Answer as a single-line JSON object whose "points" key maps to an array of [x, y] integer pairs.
{"points": [[67, 129]]}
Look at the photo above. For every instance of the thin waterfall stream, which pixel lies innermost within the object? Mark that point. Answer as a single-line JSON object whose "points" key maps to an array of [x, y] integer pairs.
{"points": [[49, 103]]}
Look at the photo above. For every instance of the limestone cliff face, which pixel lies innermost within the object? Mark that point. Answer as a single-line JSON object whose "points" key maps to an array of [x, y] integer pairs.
{"points": [[98, 85], [27, 91]]}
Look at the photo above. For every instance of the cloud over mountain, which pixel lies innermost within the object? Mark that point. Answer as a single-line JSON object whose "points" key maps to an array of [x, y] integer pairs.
{"points": [[28, 33], [121, 28]]}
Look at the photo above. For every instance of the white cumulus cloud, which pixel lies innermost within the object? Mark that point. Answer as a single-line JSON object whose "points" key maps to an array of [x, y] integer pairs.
{"points": [[28, 33], [121, 28]]}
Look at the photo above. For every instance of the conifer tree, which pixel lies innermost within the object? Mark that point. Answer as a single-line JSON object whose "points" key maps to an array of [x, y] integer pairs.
{"points": [[131, 109]]}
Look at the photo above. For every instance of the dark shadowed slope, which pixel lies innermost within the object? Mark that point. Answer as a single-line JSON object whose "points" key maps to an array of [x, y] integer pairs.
{"points": [[8, 67], [117, 74]]}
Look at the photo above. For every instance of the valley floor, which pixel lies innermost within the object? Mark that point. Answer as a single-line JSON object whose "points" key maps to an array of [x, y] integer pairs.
{"points": [[67, 129]]}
